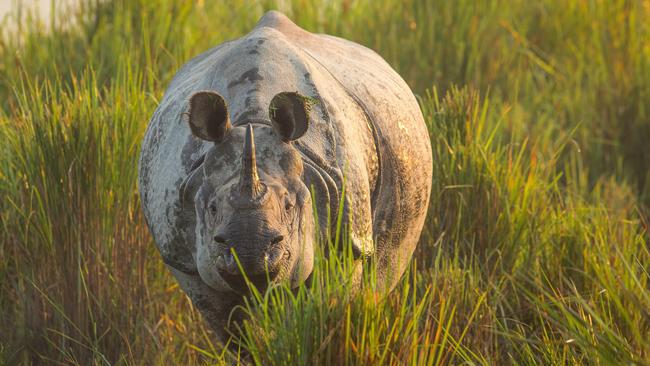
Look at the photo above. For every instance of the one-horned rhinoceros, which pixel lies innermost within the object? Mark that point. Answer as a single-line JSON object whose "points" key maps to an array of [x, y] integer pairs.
{"points": [[254, 136]]}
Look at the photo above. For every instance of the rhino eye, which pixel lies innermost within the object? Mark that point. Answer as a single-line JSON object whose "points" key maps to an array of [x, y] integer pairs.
{"points": [[212, 208], [288, 205]]}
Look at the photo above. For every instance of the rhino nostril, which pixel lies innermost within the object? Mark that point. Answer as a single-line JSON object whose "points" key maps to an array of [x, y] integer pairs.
{"points": [[277, 239]]}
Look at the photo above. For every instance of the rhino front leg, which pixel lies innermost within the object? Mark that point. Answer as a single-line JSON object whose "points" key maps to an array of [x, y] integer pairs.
{"points": [[216, 307]]}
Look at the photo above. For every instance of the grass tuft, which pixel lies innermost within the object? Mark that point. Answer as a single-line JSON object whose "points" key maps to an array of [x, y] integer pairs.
{"points": [[535, 250]]}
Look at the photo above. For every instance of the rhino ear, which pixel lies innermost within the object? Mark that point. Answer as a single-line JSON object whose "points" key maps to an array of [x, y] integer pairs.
{"points": [[289, 113], [208, 116]]}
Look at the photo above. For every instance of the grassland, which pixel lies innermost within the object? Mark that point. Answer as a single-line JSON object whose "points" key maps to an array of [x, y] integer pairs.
{"points": [[536, 249]]}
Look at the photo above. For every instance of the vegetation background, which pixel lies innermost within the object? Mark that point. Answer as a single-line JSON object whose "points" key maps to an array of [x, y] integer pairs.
{"points": [[536, 250]]}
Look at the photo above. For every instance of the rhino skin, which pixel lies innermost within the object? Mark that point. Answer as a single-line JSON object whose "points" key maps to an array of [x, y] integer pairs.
{"points": [[347, 119]]}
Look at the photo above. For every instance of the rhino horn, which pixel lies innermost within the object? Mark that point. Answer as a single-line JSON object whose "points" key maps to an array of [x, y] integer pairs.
{"points": [[249, 181]]}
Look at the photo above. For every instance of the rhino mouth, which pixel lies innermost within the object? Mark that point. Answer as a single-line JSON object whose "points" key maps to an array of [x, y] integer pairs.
{"points": [[241, 283]]}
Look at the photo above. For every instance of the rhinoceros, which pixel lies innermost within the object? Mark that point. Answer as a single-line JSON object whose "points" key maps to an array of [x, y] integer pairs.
{"points": [[259, 141]]}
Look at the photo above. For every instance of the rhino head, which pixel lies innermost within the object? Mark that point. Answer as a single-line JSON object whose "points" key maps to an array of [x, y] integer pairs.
{"points": [[253, 211]]}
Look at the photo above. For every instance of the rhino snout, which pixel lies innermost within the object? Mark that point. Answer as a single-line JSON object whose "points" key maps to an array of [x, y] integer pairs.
{"points": [[260, 263]]}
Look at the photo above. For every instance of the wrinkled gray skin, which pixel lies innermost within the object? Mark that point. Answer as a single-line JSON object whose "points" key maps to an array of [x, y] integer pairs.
{"points": [[227, 168]]}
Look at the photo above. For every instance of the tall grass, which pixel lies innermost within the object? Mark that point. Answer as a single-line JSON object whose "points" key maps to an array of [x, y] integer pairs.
{"points": [[535, 250]]}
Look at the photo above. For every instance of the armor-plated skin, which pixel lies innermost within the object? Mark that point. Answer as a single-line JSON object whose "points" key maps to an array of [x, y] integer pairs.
{"points": [[364, 124]]}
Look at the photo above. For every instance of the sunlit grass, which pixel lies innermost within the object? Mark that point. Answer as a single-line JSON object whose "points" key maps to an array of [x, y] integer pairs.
{"points": [[535, 250]]}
